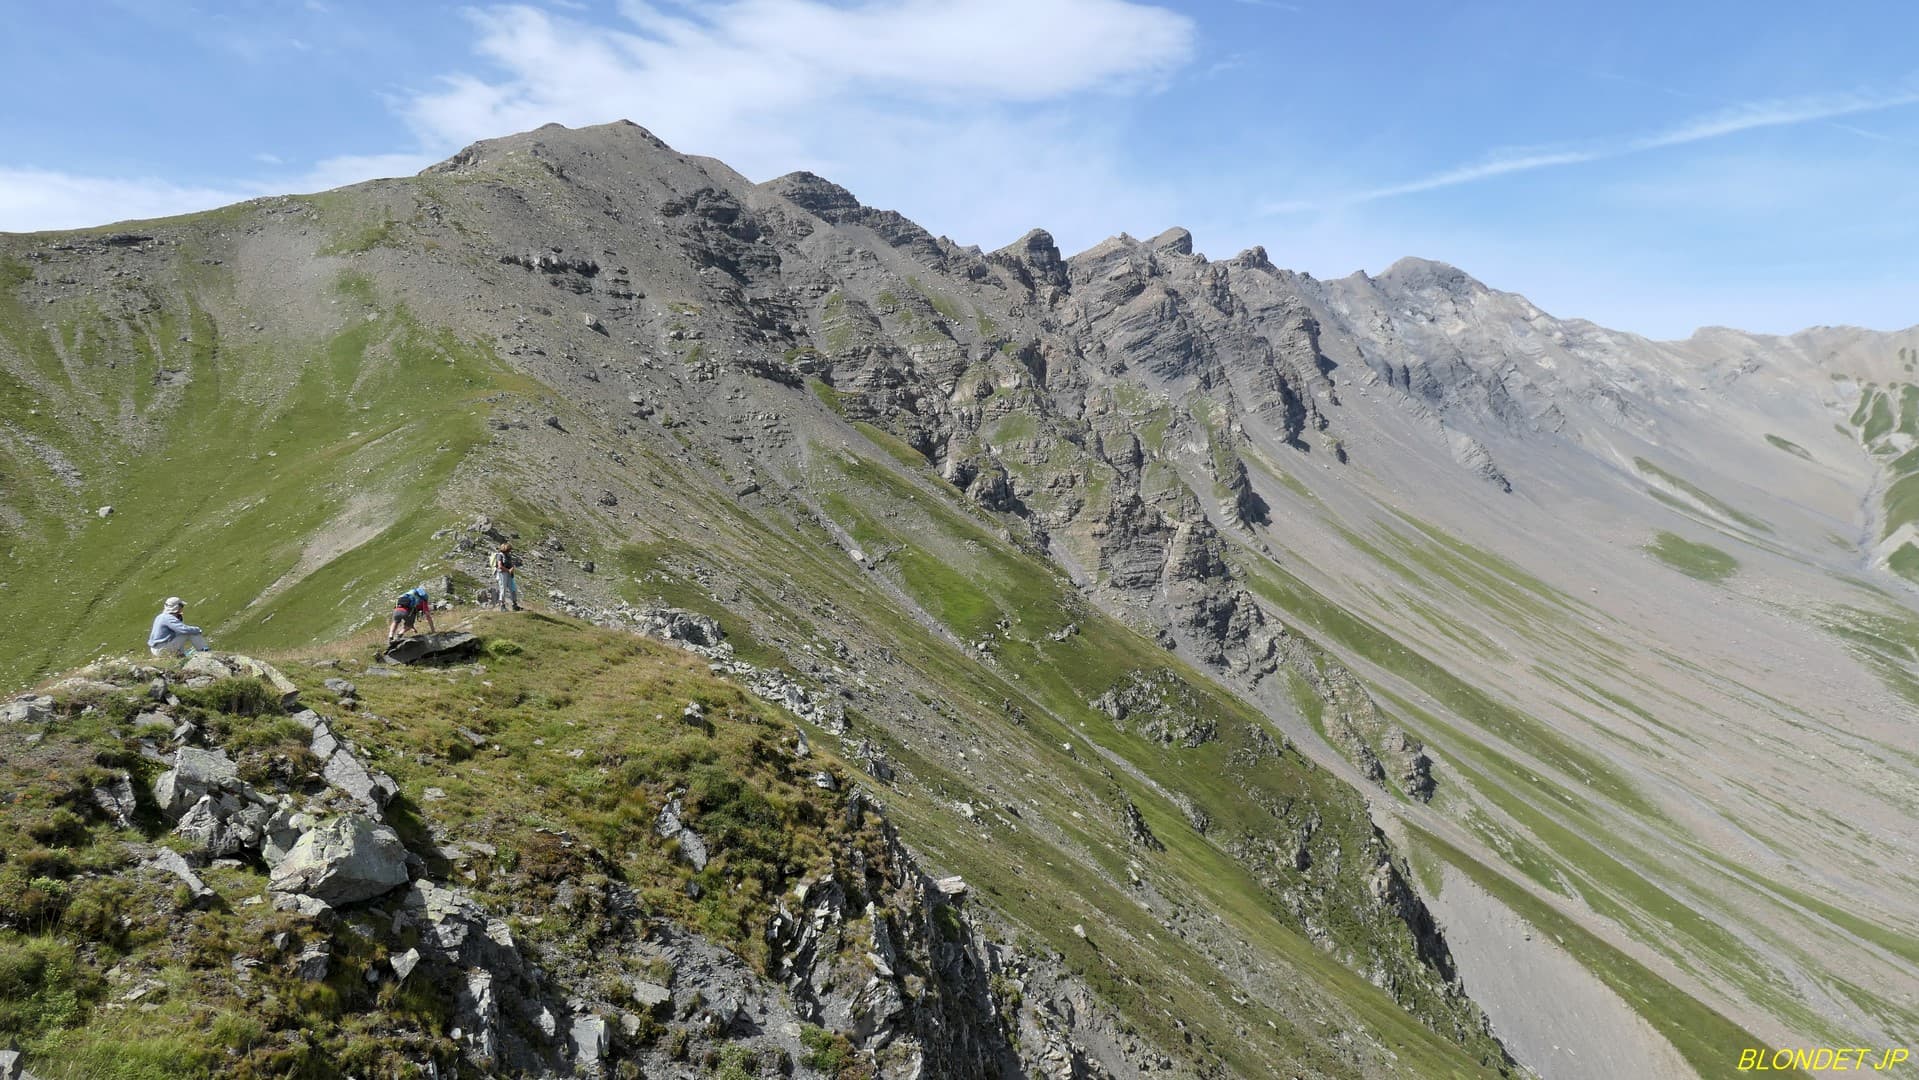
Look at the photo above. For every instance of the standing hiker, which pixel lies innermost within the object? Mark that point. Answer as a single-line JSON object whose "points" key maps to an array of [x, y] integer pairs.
{"points": [[503, 563], [171, 636], [411, 605]]}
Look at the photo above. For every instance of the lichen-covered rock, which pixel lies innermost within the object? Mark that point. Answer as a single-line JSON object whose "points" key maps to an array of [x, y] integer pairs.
{"points": [[224, 824], [343, 860], [115, 797], [289, 694], [195, 773], [176, 864], [27, 709], [669, 826]]}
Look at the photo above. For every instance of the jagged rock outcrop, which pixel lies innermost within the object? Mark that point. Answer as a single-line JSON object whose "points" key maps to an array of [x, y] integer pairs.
{"points": [[27, 709], [1473, 456], [1036, 263], [1158, 705], [1378, 748]]}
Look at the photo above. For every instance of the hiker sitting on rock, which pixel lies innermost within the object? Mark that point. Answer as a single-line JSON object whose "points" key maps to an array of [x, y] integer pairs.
{"points": [[503, 562], [171, 636], [411, 605]]}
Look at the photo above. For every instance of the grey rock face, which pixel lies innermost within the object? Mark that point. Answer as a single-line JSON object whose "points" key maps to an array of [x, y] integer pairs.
{"points": [[116, 798], [208, 665], [344, 770], [343, 860], [1473, 455], [13, 1066], [176, 864], [669, 827], [443, 647], [651, 997], [589, 1041], [1354, 724], [27, 709], [230, 823], [314, 961], [195, 773]]}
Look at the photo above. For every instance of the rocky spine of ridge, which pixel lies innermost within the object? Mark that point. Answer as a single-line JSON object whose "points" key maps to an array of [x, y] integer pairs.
{"points": [[1045, 337], [685, 310]]}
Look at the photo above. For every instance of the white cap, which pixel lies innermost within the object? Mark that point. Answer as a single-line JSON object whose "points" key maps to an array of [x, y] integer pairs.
{"points": [[174, 603]]}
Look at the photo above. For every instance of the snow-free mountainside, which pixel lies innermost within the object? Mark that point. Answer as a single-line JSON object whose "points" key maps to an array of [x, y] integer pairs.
{"points": [[940, 662]]}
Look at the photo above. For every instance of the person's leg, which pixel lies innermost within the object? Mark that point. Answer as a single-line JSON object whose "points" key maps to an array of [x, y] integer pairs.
{"points": [[393, 627], [199, 641], [513, 584], [176, 647], [502, 584]]}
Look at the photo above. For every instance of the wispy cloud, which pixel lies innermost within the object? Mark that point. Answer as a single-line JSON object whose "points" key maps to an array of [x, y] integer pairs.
{"points": [[34, 199], [942, 110], [981, 119], [723, 66], [50, 199], [1712, 125]]}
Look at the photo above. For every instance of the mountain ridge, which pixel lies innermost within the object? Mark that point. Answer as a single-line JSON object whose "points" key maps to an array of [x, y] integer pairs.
{"points": [[1289, 485]]}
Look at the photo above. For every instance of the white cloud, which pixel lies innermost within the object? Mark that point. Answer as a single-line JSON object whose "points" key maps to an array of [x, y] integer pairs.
{"points": [[936, 108], [754, 61], [1714, 125], [355, 168], [1780, 113], [35, 199], [979, 119]]}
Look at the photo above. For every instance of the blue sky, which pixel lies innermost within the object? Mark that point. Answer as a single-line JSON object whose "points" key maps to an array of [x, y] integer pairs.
{"points": [[1651, 166]]}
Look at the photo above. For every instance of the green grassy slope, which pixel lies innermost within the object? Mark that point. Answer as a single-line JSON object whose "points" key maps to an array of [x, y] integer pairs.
{"points": [[585, 739], [1024, 714], [1244, 936], [281, 486]]}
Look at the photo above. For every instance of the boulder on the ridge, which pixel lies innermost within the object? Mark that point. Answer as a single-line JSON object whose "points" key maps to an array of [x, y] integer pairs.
{"points": [[443, 647], [343, 860], [195, 773]]}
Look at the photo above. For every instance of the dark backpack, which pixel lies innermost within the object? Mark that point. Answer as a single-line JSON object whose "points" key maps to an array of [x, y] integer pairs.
{"points": [[407, 600]]}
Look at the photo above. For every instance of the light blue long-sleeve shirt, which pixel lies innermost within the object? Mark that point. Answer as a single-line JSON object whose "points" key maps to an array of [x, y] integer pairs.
{"points": [[168, 626]]}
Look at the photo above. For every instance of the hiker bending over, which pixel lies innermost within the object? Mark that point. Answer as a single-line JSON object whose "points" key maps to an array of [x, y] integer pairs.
{"points": [[171, 636], [503, 562], [411, 605]]}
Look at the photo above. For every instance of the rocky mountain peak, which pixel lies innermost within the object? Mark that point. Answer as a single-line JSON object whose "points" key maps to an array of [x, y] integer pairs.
{"points": [[1414, 274], [550, 140], [1254, 258], [1038, 254], [1174, 241], [816, 194]]}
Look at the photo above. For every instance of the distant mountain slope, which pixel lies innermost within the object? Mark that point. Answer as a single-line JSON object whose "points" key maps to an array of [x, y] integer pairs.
{"points": [[1105, 554]]}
